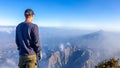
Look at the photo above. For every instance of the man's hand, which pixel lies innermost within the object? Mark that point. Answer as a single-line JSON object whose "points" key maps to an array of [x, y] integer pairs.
{"points": [[39, 55]]}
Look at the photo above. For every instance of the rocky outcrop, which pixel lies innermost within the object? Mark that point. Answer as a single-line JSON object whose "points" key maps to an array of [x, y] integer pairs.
{"points": [[55, 61], [71, 58]]}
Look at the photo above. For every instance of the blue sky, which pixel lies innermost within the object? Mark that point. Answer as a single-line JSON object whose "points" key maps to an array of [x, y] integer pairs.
{"points": [[94, 14]]}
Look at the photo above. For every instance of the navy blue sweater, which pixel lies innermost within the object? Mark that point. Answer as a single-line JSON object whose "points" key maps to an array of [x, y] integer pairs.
{"points": [[27, 39]]}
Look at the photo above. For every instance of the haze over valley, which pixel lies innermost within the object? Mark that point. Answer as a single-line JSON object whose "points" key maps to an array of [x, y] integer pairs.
{"points": [[63, 48]]}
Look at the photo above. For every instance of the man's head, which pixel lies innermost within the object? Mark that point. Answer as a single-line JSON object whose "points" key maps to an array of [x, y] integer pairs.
{"points": [[29, 14]]}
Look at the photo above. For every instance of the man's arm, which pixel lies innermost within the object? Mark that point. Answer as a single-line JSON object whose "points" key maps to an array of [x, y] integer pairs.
{"points": [[16, 39], [36, 39]]}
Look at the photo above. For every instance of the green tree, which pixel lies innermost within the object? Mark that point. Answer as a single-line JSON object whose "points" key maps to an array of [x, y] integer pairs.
{"points": [[110, 63]]}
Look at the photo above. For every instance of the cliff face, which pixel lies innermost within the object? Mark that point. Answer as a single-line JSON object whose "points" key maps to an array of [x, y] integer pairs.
{"points": [[71, 58], [55, 61]]}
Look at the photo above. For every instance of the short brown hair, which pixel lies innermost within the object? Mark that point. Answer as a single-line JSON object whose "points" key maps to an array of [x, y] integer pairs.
{"points": [[28, 12]]}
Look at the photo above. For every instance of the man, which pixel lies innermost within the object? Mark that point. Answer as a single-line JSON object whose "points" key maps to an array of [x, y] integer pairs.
{"points": [[28, 42]]}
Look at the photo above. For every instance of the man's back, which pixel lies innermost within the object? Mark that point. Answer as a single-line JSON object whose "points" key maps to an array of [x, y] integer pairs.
{"points": [[28, 42], [27, 39]]}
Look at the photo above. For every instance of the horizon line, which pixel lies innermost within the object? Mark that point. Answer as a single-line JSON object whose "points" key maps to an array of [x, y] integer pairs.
{"points": [[75, 28]]}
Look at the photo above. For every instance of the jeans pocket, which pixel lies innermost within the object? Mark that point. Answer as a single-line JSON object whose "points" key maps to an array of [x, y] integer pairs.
{"points": [[36, 63]]}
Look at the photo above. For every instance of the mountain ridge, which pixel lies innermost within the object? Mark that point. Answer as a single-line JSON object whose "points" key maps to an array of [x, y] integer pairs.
{"points": [[61, 51]]}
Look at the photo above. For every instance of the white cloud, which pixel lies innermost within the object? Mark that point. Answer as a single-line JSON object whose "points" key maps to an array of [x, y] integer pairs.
{"points": [[7, 30], [61, 46], [9, 64]]}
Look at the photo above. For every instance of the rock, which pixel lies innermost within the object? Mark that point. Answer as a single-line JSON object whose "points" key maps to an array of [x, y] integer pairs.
{"points": [[79, 58]]}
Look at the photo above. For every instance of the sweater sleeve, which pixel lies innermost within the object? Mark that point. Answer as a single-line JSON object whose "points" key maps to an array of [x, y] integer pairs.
{"points": [[36, 39], [16, 39]]}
